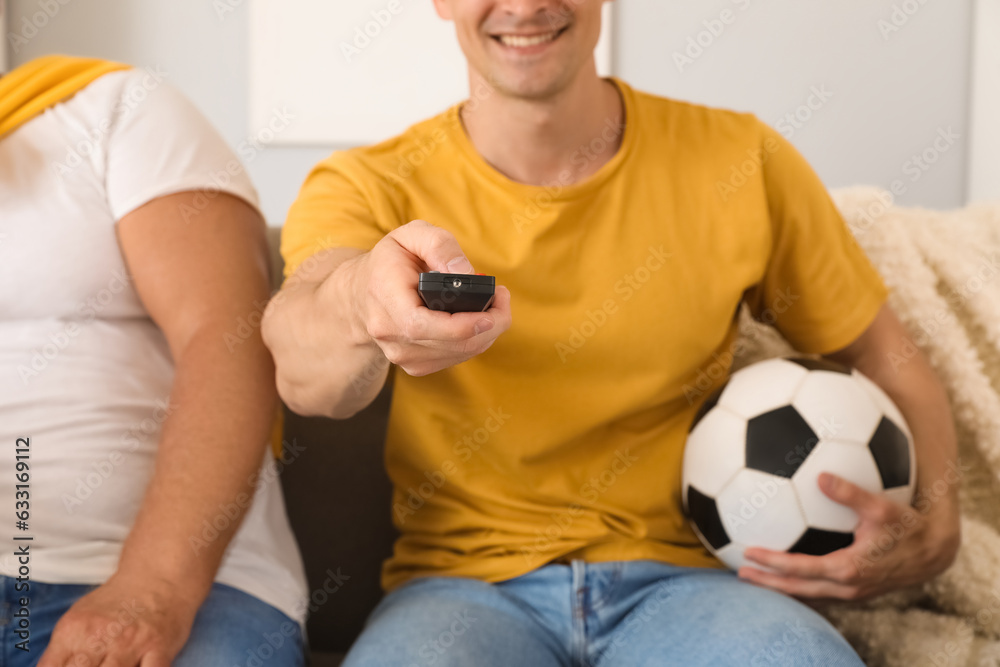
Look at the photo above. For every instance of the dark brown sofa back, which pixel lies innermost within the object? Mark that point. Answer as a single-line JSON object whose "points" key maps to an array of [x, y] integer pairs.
{"points": [[339, 502]]}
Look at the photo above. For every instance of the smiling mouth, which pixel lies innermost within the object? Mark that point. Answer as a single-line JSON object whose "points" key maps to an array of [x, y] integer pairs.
{"points": [[524, 41]]}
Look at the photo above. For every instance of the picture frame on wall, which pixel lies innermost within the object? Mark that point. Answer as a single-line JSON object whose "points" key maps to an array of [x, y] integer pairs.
{"points": [[3, 31], [984, 143], [351, 74]]}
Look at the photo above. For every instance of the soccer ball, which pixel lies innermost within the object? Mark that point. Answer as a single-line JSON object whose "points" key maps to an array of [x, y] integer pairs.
{"points": [[757, 445]]}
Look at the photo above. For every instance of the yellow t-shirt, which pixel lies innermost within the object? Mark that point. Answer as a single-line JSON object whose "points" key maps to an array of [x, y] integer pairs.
{"points": [[565, 438]]}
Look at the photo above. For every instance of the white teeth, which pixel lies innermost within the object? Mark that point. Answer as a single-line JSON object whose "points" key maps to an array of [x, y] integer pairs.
{"points": [[519, 41]]}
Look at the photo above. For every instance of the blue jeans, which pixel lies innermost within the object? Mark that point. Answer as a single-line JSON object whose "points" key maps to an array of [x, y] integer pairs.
{"points": [[636, 613], [232, 628]]}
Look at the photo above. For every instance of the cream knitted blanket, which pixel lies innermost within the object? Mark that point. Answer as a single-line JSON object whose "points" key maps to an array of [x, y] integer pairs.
{"points": [[943, 271]]}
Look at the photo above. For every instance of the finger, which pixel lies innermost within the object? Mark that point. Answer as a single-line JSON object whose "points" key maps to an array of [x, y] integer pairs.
{"points": [[121, 659], [429, 327], [831, 567], [155, 659], [869, 506], [500, 310], [56, 655], [78, 659], [437, 247], [795, 586], [432, 328]]}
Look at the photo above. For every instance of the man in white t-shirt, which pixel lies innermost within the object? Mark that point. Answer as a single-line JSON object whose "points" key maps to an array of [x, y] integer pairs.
{"points": [[155, 531]]}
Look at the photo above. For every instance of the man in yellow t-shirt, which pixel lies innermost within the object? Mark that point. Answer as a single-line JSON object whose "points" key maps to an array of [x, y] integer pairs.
{"points": [[535, 449]]}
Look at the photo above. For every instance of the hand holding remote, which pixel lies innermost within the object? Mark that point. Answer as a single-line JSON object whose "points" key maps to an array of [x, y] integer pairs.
{"points": [[394, 315], [456, 292]]}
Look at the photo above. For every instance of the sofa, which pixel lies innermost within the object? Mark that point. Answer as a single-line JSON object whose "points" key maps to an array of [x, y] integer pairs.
{"points": [[338, 498], [942, 269]]}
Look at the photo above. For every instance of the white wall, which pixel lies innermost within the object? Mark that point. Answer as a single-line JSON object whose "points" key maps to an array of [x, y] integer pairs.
{"points": [[892, 92]]}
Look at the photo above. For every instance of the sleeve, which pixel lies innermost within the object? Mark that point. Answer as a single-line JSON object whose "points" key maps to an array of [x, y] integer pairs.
{"points": [[160, 144], [330, 211], [819, 288]]}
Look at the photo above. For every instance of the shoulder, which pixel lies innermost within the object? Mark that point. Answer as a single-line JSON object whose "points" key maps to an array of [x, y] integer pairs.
{"points": [[680, 120], [396, 158]]}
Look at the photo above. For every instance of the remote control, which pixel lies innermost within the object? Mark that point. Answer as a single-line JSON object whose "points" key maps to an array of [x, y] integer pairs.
{"points": [[456, 292]]}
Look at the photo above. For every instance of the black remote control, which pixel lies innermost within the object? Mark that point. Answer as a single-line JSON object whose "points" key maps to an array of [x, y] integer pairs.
{"points": [[456, 292]]}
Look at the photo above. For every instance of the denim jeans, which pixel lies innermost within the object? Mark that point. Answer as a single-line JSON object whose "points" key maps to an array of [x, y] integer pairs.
{"points": [[635, 613], [231, 629]]}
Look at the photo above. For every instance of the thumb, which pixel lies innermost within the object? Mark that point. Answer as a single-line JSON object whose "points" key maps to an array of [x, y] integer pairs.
{"points": [[436, 247]]}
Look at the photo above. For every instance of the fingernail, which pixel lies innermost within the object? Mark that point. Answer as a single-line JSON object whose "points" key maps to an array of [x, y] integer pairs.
{"points": [[459, 265], [484, 324]]}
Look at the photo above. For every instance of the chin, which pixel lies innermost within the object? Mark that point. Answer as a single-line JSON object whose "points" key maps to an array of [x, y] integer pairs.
{"points": [[531, 85]]}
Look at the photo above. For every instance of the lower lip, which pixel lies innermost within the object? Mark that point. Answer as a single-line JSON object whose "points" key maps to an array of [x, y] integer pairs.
{"points": [[528, 50]]}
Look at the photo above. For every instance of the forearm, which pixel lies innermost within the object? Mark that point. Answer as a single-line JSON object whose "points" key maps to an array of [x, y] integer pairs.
{"points": [[327, 364], [212, 444], [917, 392]]}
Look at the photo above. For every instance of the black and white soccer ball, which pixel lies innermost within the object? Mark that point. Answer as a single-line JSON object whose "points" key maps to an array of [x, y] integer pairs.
{"points": [[757, 445]]}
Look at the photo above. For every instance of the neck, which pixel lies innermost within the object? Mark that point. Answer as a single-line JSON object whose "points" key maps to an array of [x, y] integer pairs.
{"points": [[563, 139]]}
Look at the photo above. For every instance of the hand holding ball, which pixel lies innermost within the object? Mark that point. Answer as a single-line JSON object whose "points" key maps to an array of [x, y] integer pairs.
{"points": [[758, 444]]}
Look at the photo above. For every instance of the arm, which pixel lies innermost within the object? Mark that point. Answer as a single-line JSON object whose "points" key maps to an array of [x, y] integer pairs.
{"points": [[196, 278], [342, 319], [924, 538], [312, 311], [882, 353]]}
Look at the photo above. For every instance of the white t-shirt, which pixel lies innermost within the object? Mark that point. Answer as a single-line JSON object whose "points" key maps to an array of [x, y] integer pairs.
{"points": [[83, 369]]}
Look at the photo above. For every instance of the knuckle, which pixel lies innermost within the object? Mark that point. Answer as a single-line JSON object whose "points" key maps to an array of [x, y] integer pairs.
{"points": [[854, 593], [380, 328], [416, 370], [374, 291], [884, 511], [410, 329], [847, 574], [394, 355]]}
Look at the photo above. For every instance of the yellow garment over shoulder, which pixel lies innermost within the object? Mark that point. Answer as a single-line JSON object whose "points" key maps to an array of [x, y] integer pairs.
{"points": [[565, 438], [39, 84]]}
